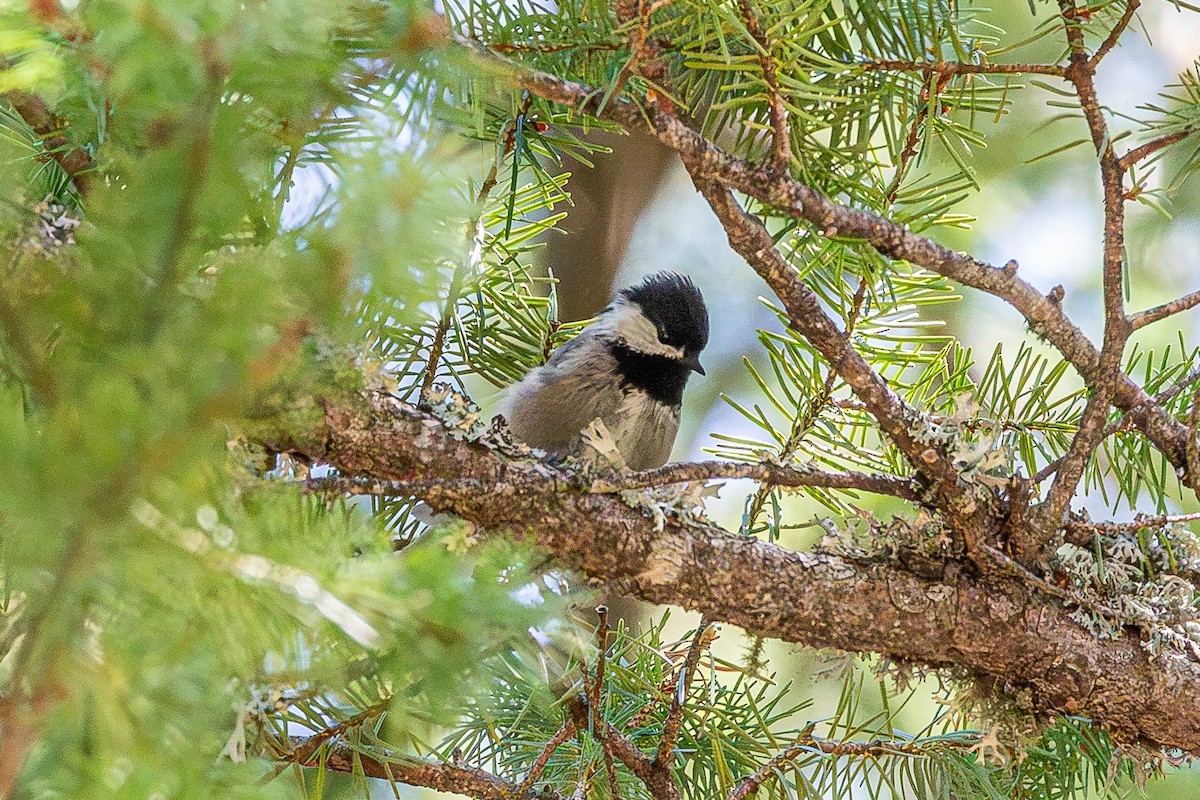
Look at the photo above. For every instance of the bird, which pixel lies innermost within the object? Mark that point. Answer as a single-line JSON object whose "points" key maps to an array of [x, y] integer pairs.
{"points": [[627, 368]]}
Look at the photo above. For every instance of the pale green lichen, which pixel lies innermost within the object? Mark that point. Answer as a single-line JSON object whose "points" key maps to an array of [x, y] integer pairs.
{"points": [[1137, 577]]}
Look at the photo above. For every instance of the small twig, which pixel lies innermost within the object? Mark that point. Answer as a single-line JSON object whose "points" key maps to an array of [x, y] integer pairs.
{"points": [[670, 734], [440, 333], [1193, 446], [1153, 146], [960, 68], [807, 743], [304, 751], [594, 47], [1070, 468], [772, 475], [930, 93], [539, 765], [1151, 315], [1111, 40], [907, 153], [612, 739], [610, 771], [781, 146], [805, 422], [1141, 522], [1122, 421], [750, 785], [602, 650], [74, 161], [476, 783], [456, 281]]}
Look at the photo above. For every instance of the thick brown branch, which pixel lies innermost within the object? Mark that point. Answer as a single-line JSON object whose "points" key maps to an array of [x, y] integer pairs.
{"points": [[1044, 316], [990, 625]]}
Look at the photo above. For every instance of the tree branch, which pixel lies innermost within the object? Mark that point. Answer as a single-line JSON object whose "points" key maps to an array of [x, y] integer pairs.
{"points": [[809, 743], [1044, 316], [1151, 315], [1114, 35], [768, 474], [751, 240], [781, 145], [49, 129], [988, 624], [565, 732], [683, 684], [1153, 146], [1117, 327], [475, 783], [952, 68]]}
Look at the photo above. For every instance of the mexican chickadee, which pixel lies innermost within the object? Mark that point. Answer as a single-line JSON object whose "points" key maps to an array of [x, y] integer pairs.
{"points": [[628, 368]]}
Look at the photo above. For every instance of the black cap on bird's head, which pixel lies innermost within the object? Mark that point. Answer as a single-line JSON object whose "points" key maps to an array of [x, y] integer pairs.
{"points": [[673, 303]]}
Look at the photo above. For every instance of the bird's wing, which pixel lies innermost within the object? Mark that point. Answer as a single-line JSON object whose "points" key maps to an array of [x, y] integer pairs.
{"points": [[553, 403]]}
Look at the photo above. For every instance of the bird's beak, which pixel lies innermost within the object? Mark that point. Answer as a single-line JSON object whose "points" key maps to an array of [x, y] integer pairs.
{"points": [[695, 365]]}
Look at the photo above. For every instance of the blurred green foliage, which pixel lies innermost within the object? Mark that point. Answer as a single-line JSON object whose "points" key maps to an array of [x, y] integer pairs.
{"points": [[155, 572]]}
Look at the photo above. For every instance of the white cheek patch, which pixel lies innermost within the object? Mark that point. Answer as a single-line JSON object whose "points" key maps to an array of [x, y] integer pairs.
{"points": [[626, 323]]}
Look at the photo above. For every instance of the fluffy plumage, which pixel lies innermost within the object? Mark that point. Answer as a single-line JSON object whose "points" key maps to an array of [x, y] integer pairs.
{"points": [[628, 368]]}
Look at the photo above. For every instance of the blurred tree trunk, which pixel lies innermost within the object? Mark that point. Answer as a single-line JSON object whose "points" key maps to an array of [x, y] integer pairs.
{"points": [[608, 202]]}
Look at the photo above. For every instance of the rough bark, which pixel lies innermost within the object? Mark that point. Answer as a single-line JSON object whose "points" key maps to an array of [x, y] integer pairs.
{"points": [[994, 626]]}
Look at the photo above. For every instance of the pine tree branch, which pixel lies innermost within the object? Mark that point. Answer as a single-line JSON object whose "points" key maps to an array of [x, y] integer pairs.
{"points": [[601, 657], [1151, 315], [565, 732], [449, 778], [1142, 522], [750, 239], [873, 749], [1154, 145], [1043, 314], [75, 161], [952, 68], [781, 144], [1117, 328], [989, 624], [769, 475], [616, 745], [683, 684], [1114, 35]]}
